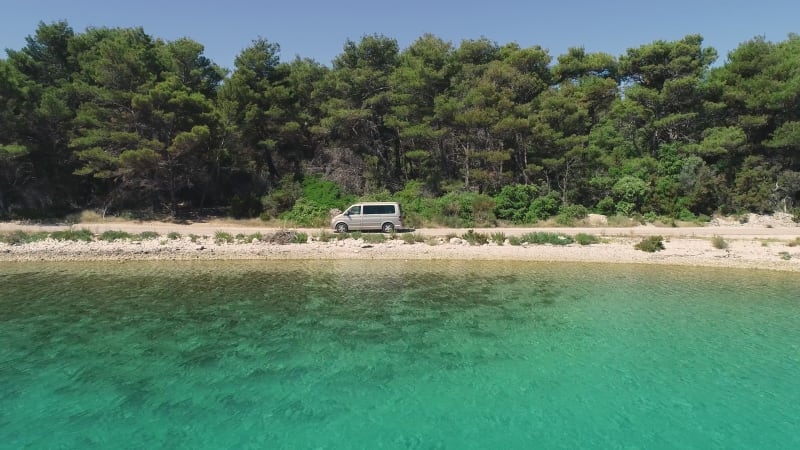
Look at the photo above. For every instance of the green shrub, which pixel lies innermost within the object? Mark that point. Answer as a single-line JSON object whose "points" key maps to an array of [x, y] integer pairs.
{"points": [[223, 237], [245, 206], [300, 238], [540, 237], [194, 237], [281, 199], [376, 238], [515, 240], [795, 215], [719, 243], [567, 215], [460, 209], [307, 213], [115, 235], [172, 235], [786, 256], [325, 236], [83, 235], [411, 238], [475, 238], [543, 207], [144, 235], [586, 239], [651, 244], [499, 238], [23, 237], [513, 202], [356, 235]]}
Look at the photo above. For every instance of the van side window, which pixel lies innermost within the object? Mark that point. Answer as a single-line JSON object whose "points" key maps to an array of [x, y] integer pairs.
{"points": [[378, 209], [355, 211]]}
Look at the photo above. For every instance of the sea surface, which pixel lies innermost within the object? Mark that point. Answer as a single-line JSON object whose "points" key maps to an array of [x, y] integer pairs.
{"points": [[397, 355]]}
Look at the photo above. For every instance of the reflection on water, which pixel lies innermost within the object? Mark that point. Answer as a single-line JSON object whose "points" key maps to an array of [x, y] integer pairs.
{"points": [[396, 354]]}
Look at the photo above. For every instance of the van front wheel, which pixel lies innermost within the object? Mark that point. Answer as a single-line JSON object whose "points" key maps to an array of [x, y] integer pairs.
{"points": [[341, 227], [388, 227]]}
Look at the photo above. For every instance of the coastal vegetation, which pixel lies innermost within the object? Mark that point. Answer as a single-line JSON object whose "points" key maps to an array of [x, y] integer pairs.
{"points": [[651, 244], [117, 121]]}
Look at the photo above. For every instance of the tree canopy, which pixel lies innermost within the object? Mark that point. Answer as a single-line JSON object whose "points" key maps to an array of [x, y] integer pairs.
{"points": [[115, 119]]}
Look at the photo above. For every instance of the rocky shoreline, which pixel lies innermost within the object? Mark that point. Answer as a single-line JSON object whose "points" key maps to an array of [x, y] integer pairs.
{"points": [[752, 247]]}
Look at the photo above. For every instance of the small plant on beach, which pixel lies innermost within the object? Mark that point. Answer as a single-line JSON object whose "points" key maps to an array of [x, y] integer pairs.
{"points": [[223, 237], [651, 244], [376, 238], [794, 243], [300, 238], [115, 235], [499, 238], [515, 240], [23, 237], [145, 235], [193, 237], [325, 236], [786, 256], [586, 239], [412, 238], [432, 241], [355, 235], [719, 243], [82, 235], [475, 238], [547, 238], [172, 235]]}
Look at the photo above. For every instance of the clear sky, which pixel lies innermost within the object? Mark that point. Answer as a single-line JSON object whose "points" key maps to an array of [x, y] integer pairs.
{"points": [[318, 29]]}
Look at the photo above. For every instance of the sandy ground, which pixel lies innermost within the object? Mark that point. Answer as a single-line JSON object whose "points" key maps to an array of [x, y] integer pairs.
{"points": [[760, 243]]}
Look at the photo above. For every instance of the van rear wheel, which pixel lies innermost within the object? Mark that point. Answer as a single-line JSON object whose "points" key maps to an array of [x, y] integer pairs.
{"points": [[341, 227], [388, 227]]}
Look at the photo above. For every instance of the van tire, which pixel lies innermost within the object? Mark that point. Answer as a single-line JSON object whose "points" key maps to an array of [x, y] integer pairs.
{"points": [[388, 227], [341, 227]]}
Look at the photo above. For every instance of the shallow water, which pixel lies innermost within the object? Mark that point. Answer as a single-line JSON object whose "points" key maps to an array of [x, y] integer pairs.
{"points": [[364, 354]]}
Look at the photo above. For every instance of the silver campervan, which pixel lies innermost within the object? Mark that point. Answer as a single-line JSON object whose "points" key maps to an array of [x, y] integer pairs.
{"points": [[384, 216]]}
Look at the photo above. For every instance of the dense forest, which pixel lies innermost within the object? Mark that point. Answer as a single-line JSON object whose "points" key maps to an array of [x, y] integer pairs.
{"points": [[118, 121]]}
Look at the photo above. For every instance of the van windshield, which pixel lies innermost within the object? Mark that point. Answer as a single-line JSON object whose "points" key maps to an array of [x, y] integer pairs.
{"points": [[354, 211]]}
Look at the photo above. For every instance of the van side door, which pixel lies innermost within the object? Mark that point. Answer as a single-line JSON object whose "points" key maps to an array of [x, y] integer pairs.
{"points": [[355, 218]]}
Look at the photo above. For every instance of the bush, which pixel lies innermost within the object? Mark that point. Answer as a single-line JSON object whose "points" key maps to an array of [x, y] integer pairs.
{"points": [[245, 206], [172, 235], [795, 215], [22, 237], [300, 238], [307, 213], [567, 215], [719, 243], [377, 238], [543, 207], [515, 240], [115, 235], [586, 239], [547, 238], [475, 238], [513, 201], [83, 235], [222, 237], [459, 209], [499, 238], [325, 236], [144, 235], [411, 238], [651, 244]]}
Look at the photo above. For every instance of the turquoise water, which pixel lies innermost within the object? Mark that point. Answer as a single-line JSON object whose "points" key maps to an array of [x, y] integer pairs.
{"points": [[364, 354]]}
